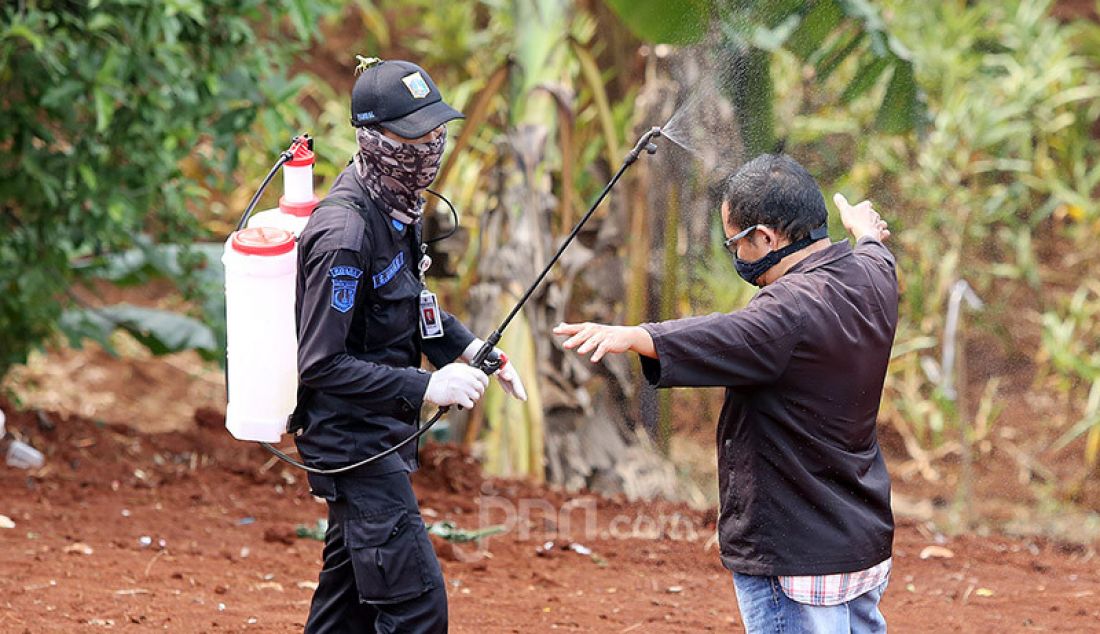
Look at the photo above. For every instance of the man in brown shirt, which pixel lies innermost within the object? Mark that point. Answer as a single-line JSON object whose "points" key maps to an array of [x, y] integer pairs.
{"points": [[805, 522]]}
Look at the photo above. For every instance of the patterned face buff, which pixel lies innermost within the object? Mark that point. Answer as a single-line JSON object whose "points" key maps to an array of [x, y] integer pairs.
{"points": [[396, 173]]}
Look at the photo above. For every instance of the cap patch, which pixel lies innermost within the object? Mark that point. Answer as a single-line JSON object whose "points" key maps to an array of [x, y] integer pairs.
{"points": [[416, 85]]}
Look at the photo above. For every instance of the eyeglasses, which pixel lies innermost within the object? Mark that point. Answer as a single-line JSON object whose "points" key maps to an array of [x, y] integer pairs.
{"points": [[731, 243]]}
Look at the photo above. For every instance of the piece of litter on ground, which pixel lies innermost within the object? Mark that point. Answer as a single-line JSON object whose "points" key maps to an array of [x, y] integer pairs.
{"points": [[307, 585], [580, 549], [245, 552], [253, 620], [270, 585], [125, 512], [983, 592], [221, 607], [245, 521], [145, 541], [6, 522], [129, 592], [79, 548], [936, 552], [675, 589], [450, 532], [316, 532]]}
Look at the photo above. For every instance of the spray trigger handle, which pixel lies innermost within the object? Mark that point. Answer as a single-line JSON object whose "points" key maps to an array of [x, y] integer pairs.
{"points": [[492, 363], [488, 359]]}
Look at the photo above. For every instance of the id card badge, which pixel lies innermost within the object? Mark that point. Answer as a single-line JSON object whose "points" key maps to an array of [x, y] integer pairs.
{"points": [[431, 324]]}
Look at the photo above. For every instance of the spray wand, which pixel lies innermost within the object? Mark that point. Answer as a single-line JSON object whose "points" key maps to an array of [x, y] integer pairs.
{"points": [[484, 360]]}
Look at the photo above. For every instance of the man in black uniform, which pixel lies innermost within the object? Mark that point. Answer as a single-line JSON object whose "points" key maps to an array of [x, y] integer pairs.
{"points": [[359, 307]]}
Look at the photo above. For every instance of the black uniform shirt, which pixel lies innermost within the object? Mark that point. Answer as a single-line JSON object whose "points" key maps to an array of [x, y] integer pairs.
{"points": [[359, 344], [803, 485]]}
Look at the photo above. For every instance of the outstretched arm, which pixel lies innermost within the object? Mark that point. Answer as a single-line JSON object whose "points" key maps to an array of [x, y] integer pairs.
{"points": [[604, 339]]}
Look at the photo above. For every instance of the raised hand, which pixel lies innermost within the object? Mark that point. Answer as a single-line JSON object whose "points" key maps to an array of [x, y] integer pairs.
{"points": [[861, 220]]}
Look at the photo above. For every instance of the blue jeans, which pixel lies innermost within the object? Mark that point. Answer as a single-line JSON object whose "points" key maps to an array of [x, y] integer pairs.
{"points": [[764, 608]]}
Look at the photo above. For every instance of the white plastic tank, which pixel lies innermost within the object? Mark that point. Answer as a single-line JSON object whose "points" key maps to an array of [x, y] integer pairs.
{"points": [[262, 342], [298, 200]]}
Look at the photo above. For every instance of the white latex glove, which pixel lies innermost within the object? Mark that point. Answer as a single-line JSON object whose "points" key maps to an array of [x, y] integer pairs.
{"points": [[507, 375], [456, 384]]}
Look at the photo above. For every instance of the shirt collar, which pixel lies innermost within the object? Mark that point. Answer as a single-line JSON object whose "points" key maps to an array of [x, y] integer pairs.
{"points": [[828, 255]]}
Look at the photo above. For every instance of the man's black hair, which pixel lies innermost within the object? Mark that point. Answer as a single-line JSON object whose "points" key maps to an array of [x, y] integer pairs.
{"points": [[775, 191]]}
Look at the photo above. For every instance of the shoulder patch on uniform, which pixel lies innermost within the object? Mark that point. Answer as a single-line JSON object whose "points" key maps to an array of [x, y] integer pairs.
{"points": [[345, 280], [383, 278]]}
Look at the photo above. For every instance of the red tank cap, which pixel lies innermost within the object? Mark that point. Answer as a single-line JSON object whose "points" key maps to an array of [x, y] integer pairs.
{"points": [[298, 209], [263, 241], [302, 155]]}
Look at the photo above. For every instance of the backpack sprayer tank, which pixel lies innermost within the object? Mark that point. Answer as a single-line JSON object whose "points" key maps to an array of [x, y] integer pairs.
{"points": [[260, 276], [261, 338]]}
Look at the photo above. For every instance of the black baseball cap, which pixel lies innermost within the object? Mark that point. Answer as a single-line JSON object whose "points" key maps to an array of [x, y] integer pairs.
{"points": [[401, 97]]}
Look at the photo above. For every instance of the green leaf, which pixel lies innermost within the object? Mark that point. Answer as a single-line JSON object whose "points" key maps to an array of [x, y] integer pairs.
{"points": [[665, 21], [161, 331], [865, 78], [898, 113], [831, 58], [87, 174], [104, 109], [816, 25], [80, 324]]}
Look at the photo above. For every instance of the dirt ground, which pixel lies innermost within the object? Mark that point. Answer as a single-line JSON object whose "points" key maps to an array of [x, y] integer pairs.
{"points": [[194, 532]]}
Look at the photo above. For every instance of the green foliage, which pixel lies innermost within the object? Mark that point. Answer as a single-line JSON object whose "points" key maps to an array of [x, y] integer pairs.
{"points": [[102, 102], [195, 269], [1071, 355], [161, 331], [823, 35], [1000, 190], [665, 21]]}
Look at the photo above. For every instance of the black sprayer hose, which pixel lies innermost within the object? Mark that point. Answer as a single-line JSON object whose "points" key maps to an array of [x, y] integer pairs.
{"points": [[423, 429], [283, 158], [482, 359], [643, 144]]}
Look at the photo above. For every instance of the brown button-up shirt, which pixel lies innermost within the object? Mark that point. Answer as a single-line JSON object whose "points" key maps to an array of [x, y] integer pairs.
{"points": [[803, 485]]}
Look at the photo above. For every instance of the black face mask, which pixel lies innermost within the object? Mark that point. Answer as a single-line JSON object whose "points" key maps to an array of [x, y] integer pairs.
{"points": [[751, 271]]}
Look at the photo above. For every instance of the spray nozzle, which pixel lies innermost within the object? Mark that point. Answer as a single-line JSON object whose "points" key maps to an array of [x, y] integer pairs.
{"points": [[645, 143]]}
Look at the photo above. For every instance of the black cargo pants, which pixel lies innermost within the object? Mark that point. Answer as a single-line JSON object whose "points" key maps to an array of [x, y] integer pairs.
{"points": [[380, 573]]}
